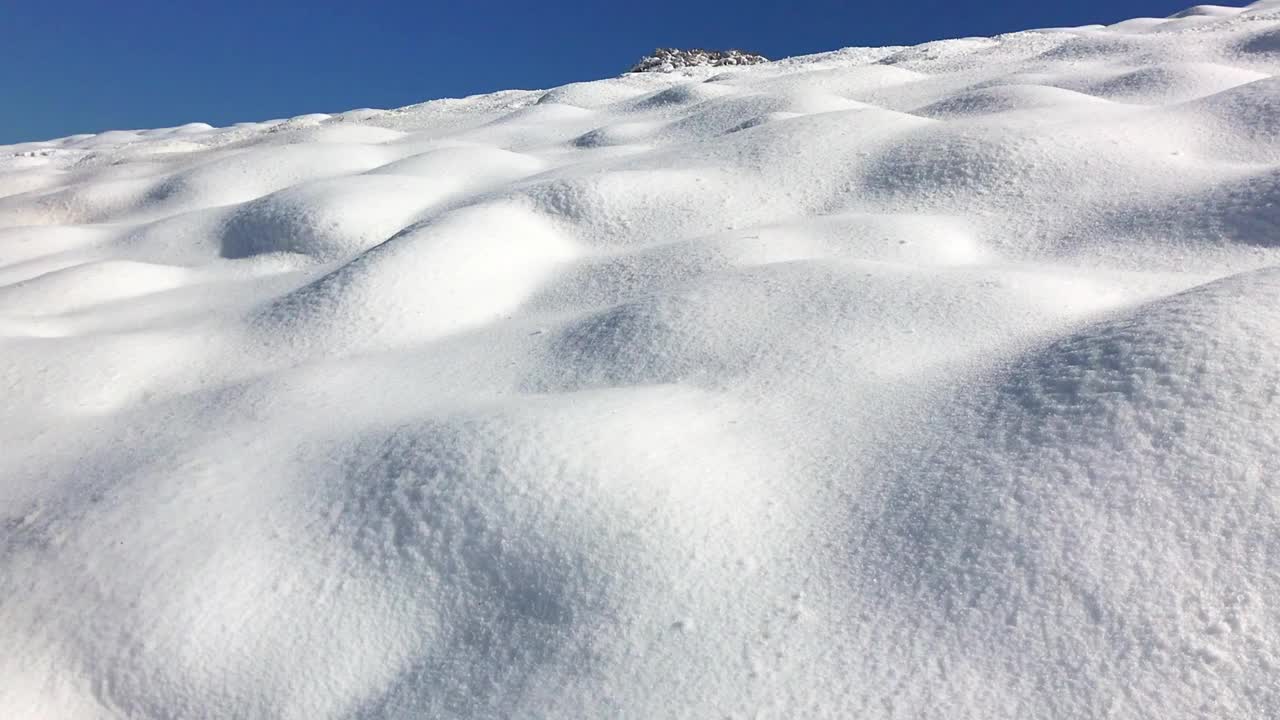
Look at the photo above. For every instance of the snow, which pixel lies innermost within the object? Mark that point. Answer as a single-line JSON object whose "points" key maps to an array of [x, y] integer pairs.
{"points": [[932, 382]]}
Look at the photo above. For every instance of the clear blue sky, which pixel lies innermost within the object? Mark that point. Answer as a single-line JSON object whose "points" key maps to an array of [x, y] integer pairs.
{"points": [[69, 66]]}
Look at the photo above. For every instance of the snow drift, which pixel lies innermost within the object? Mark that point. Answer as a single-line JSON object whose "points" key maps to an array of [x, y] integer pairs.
{"points": [[930, 382]]}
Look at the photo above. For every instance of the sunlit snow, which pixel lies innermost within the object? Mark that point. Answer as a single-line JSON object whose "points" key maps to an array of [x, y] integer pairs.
{"points": [[928, 382]]}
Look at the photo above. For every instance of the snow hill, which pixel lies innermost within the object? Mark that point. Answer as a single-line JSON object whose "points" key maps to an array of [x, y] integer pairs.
{"points": [[927, 382]]}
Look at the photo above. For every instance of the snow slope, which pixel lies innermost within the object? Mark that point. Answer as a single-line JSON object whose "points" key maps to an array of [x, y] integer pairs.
{"points": [[929, 382]]}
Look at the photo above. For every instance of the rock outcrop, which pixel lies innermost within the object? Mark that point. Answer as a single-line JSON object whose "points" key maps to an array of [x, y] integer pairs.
{"points": [[671, 59]]}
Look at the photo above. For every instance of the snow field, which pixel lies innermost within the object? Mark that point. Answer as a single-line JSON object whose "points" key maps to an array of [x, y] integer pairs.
{"points": [[931, 382]]}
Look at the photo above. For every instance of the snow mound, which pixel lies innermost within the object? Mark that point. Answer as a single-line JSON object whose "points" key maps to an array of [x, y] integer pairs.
{"points": [[929, 382], [1142, 436]]}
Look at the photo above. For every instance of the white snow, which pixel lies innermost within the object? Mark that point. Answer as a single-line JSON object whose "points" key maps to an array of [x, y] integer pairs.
{"points": [[932, 382]]}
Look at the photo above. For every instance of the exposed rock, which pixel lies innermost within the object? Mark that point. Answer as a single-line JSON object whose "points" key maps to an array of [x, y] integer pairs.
{"points": [[671, 59]]}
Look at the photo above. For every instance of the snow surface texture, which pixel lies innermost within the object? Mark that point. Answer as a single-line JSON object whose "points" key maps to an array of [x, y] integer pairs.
{"points": [[930, 382], [671, 59]]}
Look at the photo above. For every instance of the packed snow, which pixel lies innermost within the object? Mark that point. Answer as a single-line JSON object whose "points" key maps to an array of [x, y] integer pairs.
{"points": [[905, 382]]}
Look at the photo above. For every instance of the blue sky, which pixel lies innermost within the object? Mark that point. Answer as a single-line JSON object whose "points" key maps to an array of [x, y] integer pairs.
{"points": [[92, 65]]}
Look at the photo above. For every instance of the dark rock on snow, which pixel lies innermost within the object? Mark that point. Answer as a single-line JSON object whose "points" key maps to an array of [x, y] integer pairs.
{"points": [[670, 59]]}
